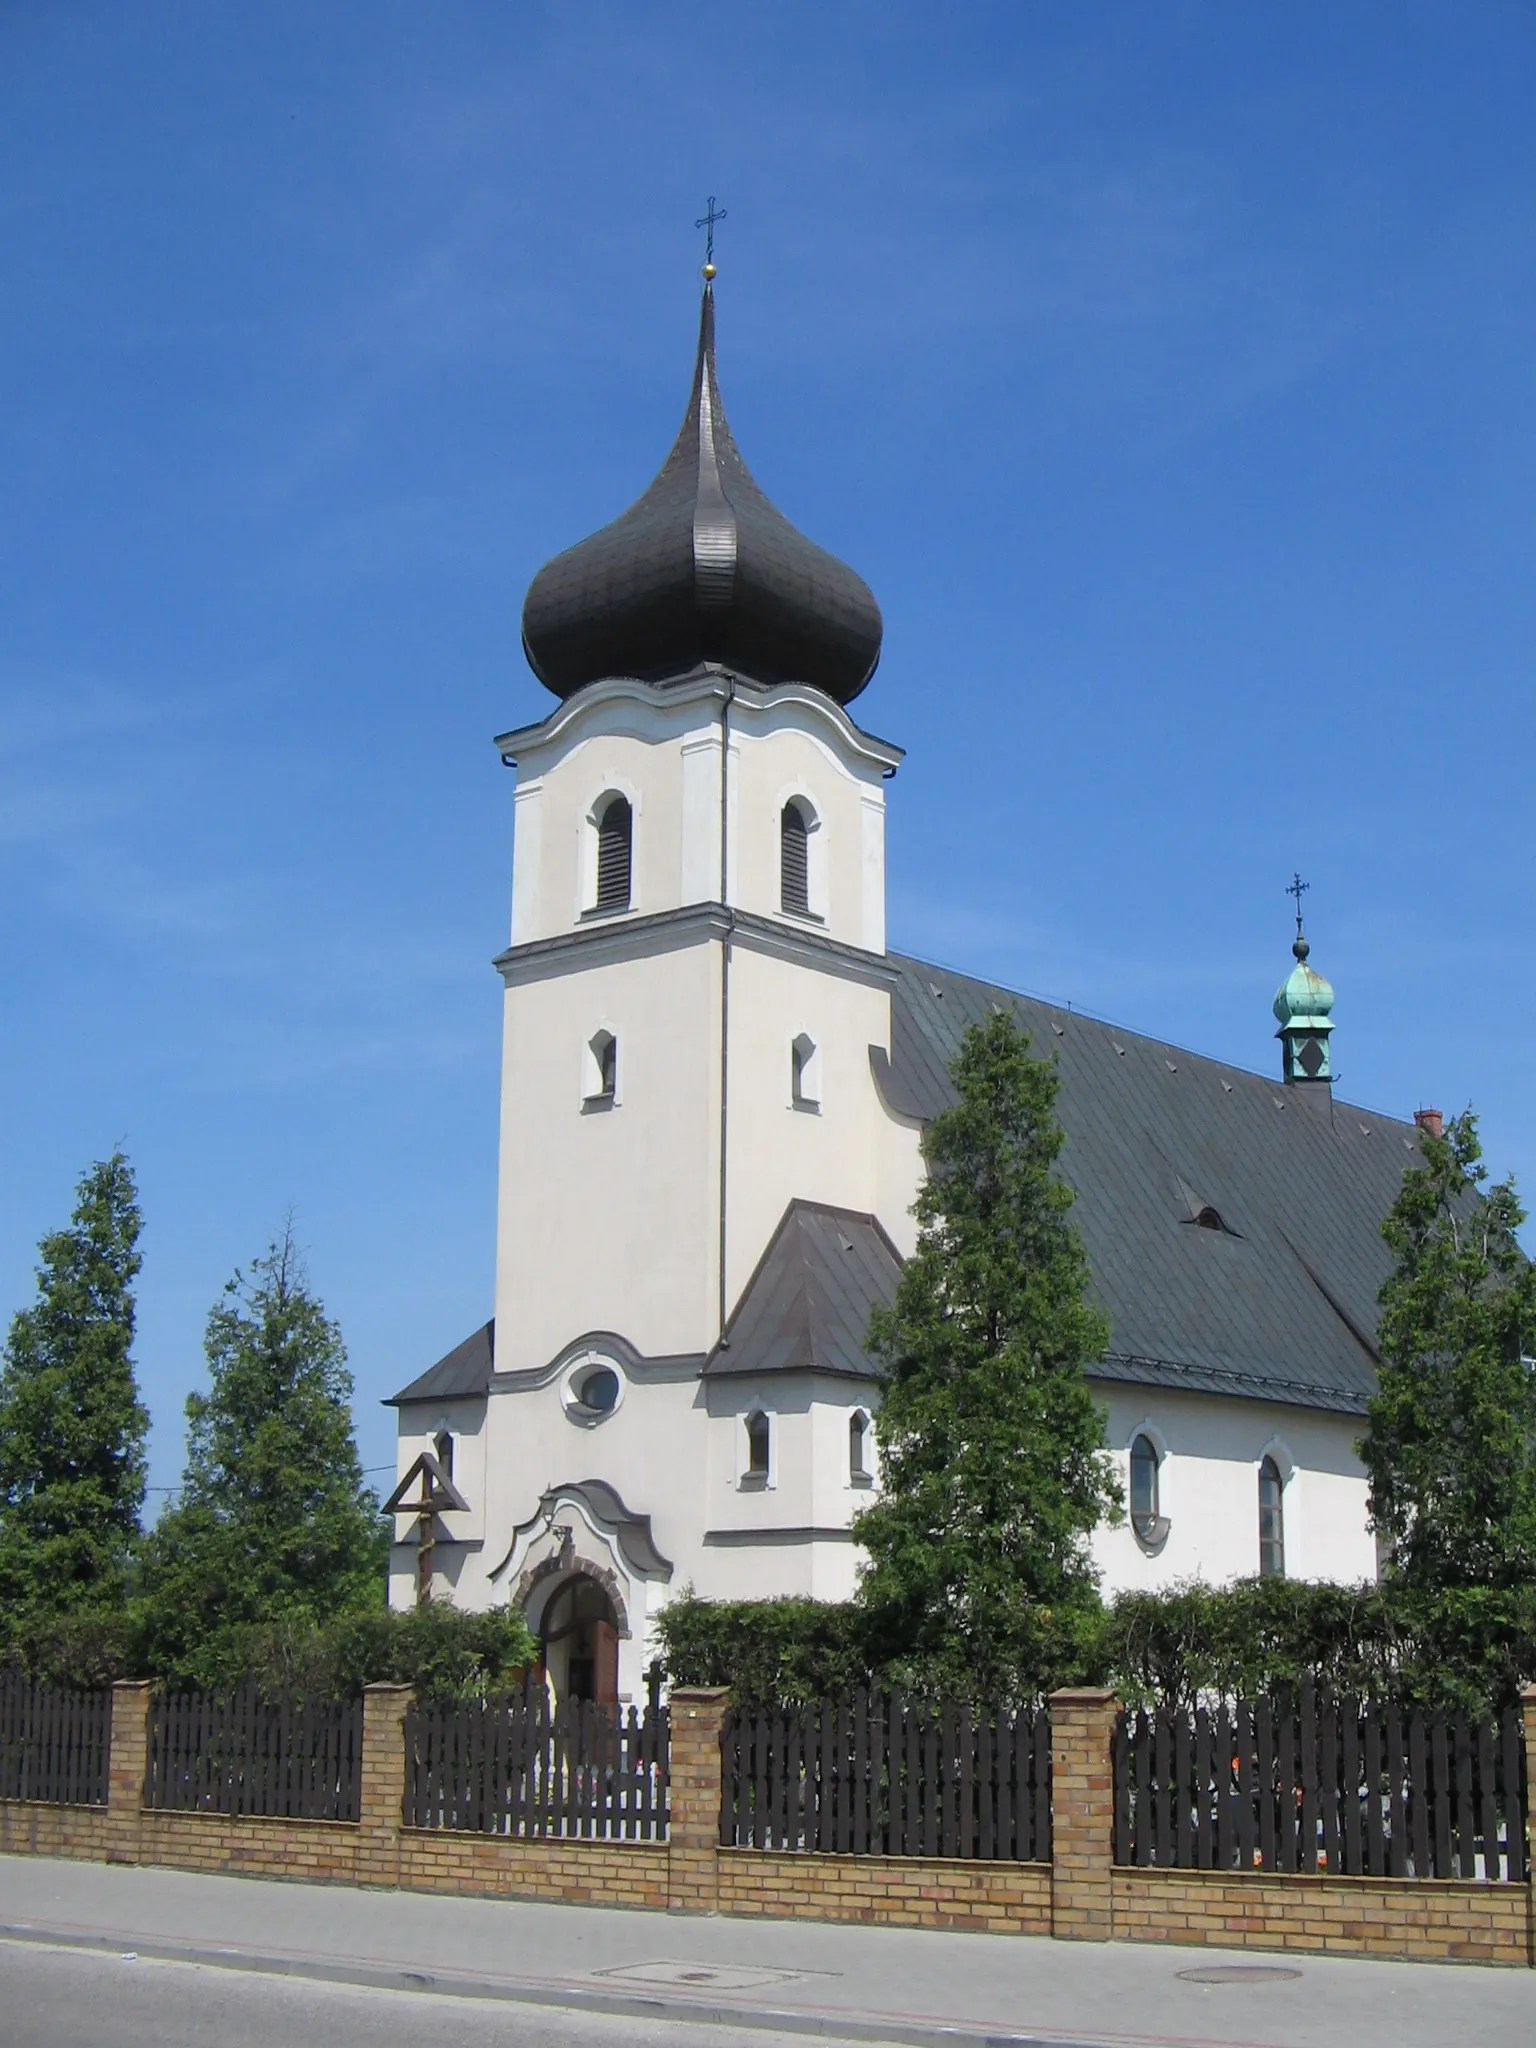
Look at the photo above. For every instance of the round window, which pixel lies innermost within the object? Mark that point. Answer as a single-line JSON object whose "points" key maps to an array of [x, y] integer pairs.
{"points": [[598, 1389]]}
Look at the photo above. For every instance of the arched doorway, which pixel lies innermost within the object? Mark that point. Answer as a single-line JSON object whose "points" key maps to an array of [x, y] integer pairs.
{"points": [[579, 1642]]}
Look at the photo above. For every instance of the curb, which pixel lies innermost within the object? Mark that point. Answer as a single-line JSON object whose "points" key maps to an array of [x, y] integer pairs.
{"points": [[568, 1994]]}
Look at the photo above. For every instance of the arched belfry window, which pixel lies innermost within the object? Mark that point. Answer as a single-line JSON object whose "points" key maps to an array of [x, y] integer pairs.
{"points": [[794, 867], [615, 829], [442, 1450], [1271, 1521]]}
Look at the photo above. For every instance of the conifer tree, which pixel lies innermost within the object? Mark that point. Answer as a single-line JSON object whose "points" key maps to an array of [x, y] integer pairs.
{"points": [[1451, 1446], [72, 1427], [993, 1474], [274, 1520]]}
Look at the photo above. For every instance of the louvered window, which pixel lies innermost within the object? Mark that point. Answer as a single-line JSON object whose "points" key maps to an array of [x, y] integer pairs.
{"points": [[1271, 1521], [793, 880], [613, 847]]}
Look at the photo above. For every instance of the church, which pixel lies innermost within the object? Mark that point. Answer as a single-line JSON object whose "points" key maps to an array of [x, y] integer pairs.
{"points": [[715, 1079]]}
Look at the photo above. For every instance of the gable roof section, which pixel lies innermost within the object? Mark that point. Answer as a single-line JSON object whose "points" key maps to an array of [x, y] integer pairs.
{"points": [[466, 1371], [807, 1306], [1278, 1304]]}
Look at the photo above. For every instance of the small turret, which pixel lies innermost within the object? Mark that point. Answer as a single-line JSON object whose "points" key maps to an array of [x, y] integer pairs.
{"points": [[1304, 1005]]}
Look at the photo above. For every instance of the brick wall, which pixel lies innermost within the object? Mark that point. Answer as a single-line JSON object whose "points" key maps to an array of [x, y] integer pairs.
{"points": [[29, 1828], [1434, 1921], [580, 1873], [1080, 1896], [916, 1891]]}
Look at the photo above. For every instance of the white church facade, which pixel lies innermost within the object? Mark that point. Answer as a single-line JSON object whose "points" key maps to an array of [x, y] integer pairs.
{"points": [[715, 1079]]}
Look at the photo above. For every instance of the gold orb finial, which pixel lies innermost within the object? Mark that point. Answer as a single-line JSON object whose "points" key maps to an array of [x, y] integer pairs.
{"points": [[709, 271]]}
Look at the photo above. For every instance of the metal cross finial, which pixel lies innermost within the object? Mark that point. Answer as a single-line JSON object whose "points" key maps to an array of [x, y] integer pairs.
{"points": [[707, 221], [1297, 888]]}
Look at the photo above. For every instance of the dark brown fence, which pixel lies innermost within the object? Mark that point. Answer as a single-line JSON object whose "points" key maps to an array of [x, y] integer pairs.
{"points": [[878, 1775], [245, 1755], [1322, 1784], [512, 1766], [54, 1744]]}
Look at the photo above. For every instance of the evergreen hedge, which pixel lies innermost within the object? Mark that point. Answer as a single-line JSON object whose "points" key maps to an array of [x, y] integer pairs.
{"points": [[1472, 1648]]}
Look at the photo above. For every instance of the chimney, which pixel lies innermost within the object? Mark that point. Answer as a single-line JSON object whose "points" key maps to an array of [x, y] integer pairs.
{"points": [[1430, 1120]]}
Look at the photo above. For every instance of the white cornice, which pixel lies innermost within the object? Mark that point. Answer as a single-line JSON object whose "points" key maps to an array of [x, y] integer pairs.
{"points": [[749, 703], [638, 937]]}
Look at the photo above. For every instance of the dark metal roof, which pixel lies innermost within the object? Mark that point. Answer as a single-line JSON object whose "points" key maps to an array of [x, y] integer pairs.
{"points": [[806, 1308], [1280, 1303], [701, 569], [465, 1371]]}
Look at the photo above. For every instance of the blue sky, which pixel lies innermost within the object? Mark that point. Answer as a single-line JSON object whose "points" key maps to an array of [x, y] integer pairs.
{"points": [[1169, 371]]}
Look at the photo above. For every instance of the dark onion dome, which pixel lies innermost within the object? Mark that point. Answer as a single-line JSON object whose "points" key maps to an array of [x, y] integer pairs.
{"points": [[701, 569]]}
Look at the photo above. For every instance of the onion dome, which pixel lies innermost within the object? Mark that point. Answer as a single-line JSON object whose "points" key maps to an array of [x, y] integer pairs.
{"points": [[1303, 1006], [701, 569]]}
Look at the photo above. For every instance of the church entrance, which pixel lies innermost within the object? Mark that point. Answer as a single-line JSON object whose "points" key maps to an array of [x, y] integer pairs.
{"points": [[579, 1642]]}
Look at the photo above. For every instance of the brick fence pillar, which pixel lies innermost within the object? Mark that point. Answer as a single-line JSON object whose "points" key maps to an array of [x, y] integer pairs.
{"points": [[693, 1839], [126, 1759], [1082, 1814], [1528, 1703], [382, 1800]]}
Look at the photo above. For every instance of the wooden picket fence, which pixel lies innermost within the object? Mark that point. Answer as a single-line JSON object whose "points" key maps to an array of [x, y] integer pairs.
{"points": [[1318, 1784], [875, 1774], [54, 1744], [245, 1755], [512, 1765]]}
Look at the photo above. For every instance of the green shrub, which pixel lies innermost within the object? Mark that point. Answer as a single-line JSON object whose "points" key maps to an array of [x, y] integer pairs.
{"points": [[441, 1651], [1469, 1649]]}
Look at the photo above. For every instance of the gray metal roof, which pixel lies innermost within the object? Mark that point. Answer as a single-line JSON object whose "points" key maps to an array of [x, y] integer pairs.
{"points": [[1278, 1304], [701, 568], [806, 1307], [1281, 1302], [465, 1371]]}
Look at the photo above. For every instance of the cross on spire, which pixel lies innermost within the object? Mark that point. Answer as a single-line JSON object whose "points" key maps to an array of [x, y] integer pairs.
{"points": [[707, 221], [1298, 888]]}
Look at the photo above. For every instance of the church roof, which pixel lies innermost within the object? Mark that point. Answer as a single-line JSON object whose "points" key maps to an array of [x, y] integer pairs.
{"points": [[701, 568], [807, 1306], [1232, 1224], [464, 1372]]}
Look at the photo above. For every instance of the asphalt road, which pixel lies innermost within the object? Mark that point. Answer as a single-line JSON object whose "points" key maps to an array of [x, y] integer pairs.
{"points": [[78, 1998]]}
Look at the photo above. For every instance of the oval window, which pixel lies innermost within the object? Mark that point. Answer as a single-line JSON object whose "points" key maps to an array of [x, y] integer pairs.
{"points": [[598, 1390]]}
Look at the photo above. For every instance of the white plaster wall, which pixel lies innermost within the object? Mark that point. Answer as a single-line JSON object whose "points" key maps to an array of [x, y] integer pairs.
{"points": [[608, 1219], [776, 1151], [1208, 1487], [661, 749]]}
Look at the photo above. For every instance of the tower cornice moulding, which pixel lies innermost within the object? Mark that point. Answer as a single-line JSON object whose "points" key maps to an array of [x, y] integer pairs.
{"points": [[678, 704]]}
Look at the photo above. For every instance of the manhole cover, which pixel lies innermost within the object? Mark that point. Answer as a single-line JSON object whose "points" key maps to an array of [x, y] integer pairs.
{"points": [[704, 1976], [1239, 1973]]}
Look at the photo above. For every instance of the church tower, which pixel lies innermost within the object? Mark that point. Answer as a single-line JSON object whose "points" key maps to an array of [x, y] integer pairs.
{"points": [[697, 999], [698, 910]]}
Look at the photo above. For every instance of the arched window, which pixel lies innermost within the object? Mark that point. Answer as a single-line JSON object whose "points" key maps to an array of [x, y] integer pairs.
{"points": [[794, 873], [757, 1445], [1143, 1486], [442, 1450], [1271, 1521], [614, 831], [858, 1448], [602, 1082], [804, 1073]]}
